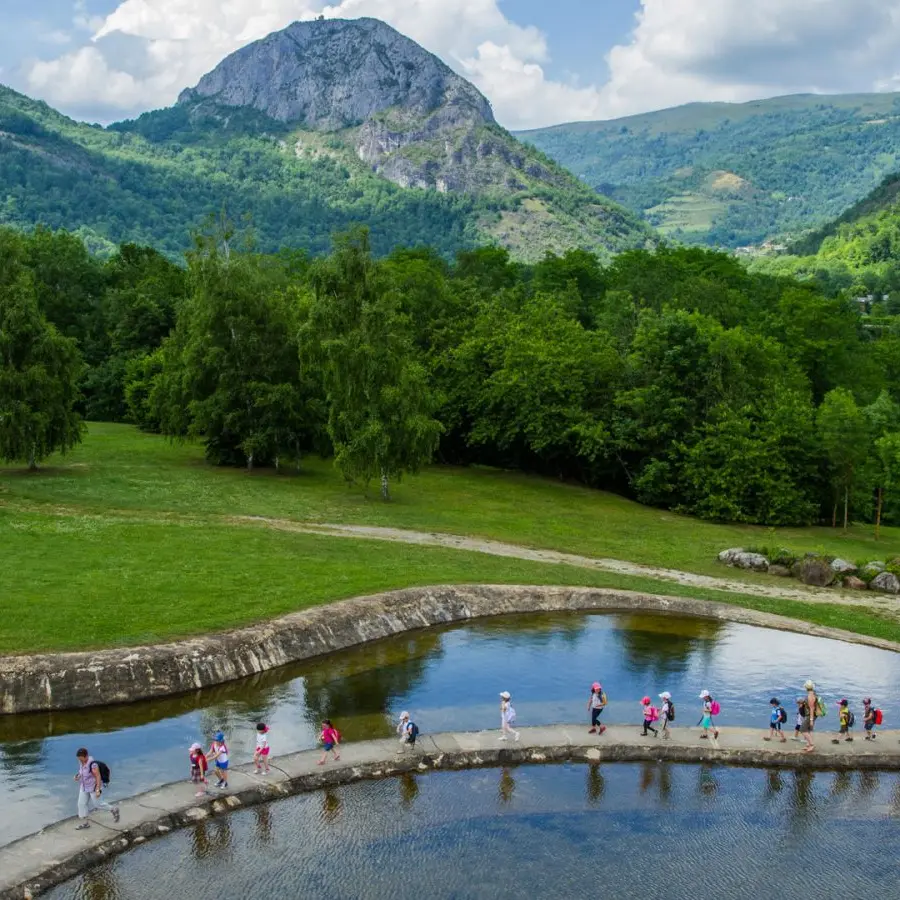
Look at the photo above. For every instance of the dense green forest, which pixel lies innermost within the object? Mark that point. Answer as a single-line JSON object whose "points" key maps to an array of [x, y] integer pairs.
{"points": [[154, 180], [676, 376], [726, 174]]}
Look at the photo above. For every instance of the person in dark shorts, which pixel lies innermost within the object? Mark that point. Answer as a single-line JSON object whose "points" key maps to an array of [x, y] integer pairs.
{"points": [[777, 717]]}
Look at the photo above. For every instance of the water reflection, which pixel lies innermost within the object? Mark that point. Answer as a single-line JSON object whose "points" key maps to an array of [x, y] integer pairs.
{"points": [[506, 787], [449, 678]]}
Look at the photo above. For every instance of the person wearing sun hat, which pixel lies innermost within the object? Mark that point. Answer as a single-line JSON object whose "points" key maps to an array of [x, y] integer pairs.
{"points": [[666, 713], [507, 717], [706, 720], [809, 719], [596, 703]]}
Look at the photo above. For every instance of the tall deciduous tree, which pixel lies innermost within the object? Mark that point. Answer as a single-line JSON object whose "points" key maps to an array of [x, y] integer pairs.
{"points": [[231, 370], [39, 369], [844, 435], [380, 404]]}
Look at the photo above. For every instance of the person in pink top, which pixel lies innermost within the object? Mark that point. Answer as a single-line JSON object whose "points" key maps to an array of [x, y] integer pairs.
{"points": [[331, 740]]}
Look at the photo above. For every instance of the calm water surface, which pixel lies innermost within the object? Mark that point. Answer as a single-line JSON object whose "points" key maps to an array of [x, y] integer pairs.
{"points": [[449, 678], [649, 830]]}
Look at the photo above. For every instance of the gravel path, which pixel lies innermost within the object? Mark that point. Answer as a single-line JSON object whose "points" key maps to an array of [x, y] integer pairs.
{"points": [[779, 589]]}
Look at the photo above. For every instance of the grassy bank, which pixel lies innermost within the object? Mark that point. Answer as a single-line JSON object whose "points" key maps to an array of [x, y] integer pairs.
{"points": [[128, 540]]}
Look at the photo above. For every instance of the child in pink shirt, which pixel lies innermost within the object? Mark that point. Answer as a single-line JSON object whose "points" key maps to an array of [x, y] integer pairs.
{"points": [[331, 740]]}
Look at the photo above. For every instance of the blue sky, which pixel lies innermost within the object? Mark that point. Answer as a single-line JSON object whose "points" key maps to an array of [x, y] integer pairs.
{"points": [[538, 61]]}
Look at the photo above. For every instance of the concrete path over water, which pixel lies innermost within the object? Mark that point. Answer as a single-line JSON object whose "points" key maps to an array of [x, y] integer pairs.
{"points": [[59, 852]]}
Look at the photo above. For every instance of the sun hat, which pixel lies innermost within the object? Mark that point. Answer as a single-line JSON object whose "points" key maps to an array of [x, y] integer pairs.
{"points": [[404, 715], [665, 695], [704, 694], [809, 685], [505, 695], [196, 746], [645, 701], [596, 686], [219, 736]]}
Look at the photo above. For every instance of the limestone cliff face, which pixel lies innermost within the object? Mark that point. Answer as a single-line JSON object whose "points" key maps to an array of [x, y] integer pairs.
{"points": [[333, 74]]}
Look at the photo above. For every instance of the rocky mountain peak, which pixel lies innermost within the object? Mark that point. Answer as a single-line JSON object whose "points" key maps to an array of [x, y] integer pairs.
{"points": [[331, 74]]}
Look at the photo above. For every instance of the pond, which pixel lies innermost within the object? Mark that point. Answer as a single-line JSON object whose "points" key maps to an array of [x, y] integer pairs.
{"points": [[449, 678], [649, 830]]}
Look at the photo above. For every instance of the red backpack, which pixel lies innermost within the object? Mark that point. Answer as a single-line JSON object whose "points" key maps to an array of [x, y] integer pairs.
{"points": [[878, 717]]}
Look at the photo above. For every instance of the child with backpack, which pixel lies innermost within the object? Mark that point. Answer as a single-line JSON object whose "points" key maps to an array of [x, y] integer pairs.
{"points": [[408, 731], [710, 709], [777, 718], [507, 717], [871, 718], [331, 740], [651, 715], [218, 754], [596, 703], [199, 767], [846, 720], [261, 753], [802, 713], [666, 713]]}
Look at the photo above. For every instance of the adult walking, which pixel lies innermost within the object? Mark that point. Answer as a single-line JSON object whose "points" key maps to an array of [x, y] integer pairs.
{"points": [[90, 790], [808, 725]]}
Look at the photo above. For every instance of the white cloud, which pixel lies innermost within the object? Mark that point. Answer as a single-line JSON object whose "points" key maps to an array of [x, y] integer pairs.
{"points": [[679, 51]]}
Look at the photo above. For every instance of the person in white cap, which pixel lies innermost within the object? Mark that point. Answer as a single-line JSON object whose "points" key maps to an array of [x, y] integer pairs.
{"points": [[507, 717], [407, 730], [666, 713]]}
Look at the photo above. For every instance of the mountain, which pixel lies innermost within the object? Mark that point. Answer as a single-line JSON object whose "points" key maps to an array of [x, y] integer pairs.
{"points": [[733, 174], [308, 130]]}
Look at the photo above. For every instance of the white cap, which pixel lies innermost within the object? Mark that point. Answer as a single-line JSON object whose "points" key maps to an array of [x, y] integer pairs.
{"points": [[196, 747], [505, 695], [704, 695], [404, 715], [665, 695]]}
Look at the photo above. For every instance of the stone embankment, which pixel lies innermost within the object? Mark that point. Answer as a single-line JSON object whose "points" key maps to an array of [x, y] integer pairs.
{"points": [[35, 863], [78, 680]]}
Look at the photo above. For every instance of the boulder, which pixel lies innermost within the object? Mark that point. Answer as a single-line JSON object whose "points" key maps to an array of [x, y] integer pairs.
{"points": [[726, 556], [755, 561], [783, 571], [842, 567], [886, 582], [876, 564], [854, 583], [870, 570], [814, 571]]}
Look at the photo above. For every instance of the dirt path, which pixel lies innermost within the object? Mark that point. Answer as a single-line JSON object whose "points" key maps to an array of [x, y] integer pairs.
{"points": [[778, 590]]}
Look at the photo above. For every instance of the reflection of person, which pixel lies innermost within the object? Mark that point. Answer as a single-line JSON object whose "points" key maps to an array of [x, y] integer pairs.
{"points": [[507, 786], [507, 717], [596, 703], [90, 790]]}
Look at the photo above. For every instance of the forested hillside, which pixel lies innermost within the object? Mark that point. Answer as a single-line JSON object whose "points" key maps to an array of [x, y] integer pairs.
{"points": [[675, 377], [283, 133], [727, 174]]}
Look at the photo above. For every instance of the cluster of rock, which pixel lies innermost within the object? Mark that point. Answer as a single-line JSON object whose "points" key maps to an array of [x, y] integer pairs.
{"points": [[818, 570]]}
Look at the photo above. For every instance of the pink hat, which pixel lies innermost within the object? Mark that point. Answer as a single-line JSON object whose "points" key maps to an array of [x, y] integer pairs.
{"points": [[645, 701], [595, 686]]}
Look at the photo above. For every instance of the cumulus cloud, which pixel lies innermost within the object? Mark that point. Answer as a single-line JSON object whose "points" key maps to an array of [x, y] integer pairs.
{"points": [[678, 51]]}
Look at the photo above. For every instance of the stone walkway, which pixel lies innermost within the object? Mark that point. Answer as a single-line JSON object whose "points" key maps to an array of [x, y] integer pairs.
{"points": [[59, 852]]}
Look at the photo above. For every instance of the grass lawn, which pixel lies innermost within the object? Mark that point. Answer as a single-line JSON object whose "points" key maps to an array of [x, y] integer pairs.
{"points": [[92, 556]]}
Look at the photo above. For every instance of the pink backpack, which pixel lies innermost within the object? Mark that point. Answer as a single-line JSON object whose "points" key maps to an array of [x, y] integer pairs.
{"points": [[714, 708], [654, 714]]}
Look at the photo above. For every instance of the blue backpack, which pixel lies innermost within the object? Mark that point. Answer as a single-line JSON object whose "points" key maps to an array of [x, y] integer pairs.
{"points": [[412, 730]]}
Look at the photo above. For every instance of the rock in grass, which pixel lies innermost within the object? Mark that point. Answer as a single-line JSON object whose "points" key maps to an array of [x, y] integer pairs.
{"points": [[854, 583], [886, 582], [783, 571], [742, 559], [814, 571], [842, 567]]}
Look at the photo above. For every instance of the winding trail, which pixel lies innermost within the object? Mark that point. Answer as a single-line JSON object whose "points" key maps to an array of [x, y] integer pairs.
{"points": [[884, 603]]}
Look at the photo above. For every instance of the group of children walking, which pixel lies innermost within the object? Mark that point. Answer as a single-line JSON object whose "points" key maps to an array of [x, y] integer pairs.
{"points": [[656, 720]]}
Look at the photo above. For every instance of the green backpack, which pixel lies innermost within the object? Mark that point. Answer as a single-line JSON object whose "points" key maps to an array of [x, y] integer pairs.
{"points": [[820, 708]]}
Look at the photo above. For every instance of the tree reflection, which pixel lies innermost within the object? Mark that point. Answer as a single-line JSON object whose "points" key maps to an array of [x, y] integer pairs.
{"points": [[664, 646], [393, 669]]}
